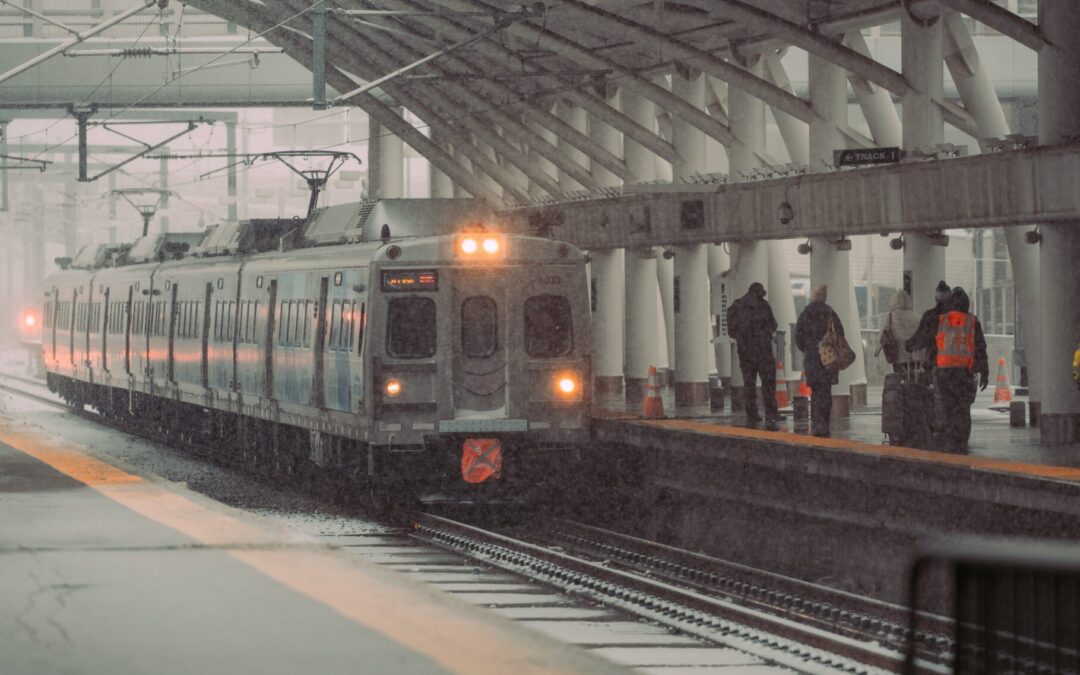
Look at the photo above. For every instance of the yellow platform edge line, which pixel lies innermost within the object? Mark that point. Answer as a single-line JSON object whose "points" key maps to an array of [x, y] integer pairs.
{"points": [[458, 637], [894, 451]]}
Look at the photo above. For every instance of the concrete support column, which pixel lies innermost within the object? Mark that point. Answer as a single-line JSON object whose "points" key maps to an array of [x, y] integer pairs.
{"points": [[576, 117], [441, 185], [828, 96], [921, 55], [750, 261], [691, 307], [609, 275], [795, 132], [693, 351], [642, 321], [977, 92], [543, 163], [665, 278], [391, 165], [642, 314], [1059, 276], [874, 100]]}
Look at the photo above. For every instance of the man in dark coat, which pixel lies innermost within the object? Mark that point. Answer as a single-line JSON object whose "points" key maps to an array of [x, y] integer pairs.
{"points": [[752, 325], [925, 338], [956, 382], [811, 327]]}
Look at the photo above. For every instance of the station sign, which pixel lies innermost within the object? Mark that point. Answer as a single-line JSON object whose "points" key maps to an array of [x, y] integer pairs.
{"points": [[866, 156]]}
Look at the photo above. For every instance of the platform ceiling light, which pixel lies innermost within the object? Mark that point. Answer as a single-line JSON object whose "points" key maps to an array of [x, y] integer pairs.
{"points": [[785, 213], [842, 244], [938, 238], [669, 253], [805, 248], [1033, 236], [897, 244]]}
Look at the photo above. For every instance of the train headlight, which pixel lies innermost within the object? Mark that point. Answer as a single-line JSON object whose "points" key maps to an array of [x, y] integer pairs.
{"points": [[491, 246], [392, 388], [567, 384], [29, 320], [469, 246]]}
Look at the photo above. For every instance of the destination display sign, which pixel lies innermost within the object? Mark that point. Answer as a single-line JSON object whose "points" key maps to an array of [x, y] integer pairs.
{"points": [[866, 156], [410, 280]]}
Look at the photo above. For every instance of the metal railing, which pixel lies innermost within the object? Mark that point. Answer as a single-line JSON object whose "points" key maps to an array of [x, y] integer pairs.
{"points": [[1015, 603]]}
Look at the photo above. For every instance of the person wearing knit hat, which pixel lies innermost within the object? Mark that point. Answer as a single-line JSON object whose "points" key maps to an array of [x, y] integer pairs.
{"points": [[925, 338], [811, 327], [752, 325]]}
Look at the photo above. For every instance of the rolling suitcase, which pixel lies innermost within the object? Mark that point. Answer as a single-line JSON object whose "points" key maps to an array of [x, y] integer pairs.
{"points": [[906, 410], [892, 408]]}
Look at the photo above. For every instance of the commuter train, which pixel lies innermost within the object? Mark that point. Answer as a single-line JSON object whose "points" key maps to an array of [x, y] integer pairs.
{"points": [[401, 345]]}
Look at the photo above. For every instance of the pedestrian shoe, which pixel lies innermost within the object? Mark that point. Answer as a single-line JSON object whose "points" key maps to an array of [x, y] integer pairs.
{"points": [[771, 425], [751, 424]]}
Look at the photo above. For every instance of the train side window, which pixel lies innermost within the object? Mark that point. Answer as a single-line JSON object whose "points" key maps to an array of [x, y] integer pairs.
{"points": [[548, 326], [295, 309], [253, 322], [230, 321], [479, 327], [283, 323], [306, 318], [349, 326], [361, 320], [335, 327], [411, 328]]}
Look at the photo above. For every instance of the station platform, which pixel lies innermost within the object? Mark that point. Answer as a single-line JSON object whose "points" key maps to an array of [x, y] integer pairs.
{"points": [[992, 437], [848, 510], [104, 570]]}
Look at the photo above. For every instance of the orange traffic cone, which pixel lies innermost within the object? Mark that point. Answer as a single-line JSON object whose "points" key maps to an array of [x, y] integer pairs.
{"points": [[653, 407], [783, 399], [804, 388], [1002, 392]]}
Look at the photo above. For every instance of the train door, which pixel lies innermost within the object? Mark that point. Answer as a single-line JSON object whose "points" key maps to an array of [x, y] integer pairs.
{"points": [[480, 366], [127, 330], [53, 320], [171, 363], [208, 299], [108, 311], [73, 324], [268, 338], [318, 389]]}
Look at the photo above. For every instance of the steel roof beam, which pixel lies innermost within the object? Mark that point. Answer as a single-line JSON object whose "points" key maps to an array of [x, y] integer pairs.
{"points": [[300, 49], [614, 25], [543, 117], [627, 77], [393, 46], [506, 61], [1001, 20], [813, 41], [422, 106]]}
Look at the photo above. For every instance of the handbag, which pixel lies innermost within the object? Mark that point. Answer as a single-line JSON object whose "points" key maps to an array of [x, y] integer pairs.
{"points": [[834, 351], [889, 346]]}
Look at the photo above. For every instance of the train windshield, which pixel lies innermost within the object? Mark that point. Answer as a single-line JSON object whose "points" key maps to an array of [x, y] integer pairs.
{"points": [[479, 326], [411, 328], [548, 326]]}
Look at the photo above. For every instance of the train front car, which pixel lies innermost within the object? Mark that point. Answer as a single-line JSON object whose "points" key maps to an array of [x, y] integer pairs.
{"points": [[480, 365]]}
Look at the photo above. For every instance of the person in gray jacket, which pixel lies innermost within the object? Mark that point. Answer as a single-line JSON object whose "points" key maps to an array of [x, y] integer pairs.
{"points": [[901, 323]]}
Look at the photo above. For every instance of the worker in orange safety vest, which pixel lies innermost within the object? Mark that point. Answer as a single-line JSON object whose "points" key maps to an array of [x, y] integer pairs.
{"points": [[961, 355], [1076, 365]]}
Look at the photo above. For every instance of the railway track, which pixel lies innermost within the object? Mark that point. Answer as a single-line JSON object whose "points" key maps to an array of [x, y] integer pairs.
{"points": [[792, 639], [606, 576]]}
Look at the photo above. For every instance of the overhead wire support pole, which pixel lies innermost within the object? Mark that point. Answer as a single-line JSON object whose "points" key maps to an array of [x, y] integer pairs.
{"points": [[79, 37], [318, 56]]}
